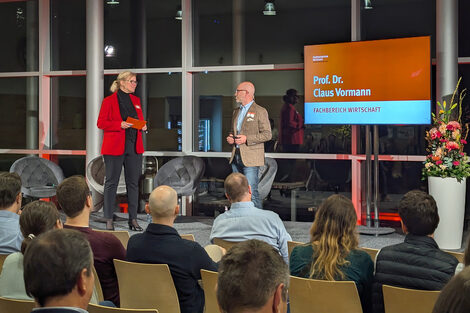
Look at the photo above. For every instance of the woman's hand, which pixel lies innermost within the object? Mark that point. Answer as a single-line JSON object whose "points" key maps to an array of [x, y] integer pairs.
{"points": [[125, 125], [144, 128]]}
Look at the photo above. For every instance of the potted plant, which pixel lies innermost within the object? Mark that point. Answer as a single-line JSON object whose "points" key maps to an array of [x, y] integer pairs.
{"points": [[447, 168]]}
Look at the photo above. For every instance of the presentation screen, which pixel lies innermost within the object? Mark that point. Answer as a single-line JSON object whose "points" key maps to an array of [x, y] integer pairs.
{"points": [[369, 82]]}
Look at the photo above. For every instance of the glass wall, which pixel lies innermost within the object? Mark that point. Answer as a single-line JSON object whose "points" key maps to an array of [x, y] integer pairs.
{"points": [[19, 29], [191, 99], [236, 32], [19, 122]]}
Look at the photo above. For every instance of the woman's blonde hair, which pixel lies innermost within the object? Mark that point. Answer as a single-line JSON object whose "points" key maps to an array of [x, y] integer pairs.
{"points": [[333, 235], [121, 77]]}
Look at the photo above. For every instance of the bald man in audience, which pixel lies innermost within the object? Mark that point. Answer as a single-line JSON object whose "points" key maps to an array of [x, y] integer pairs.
{"points": [[244, 221], [161, 244]]}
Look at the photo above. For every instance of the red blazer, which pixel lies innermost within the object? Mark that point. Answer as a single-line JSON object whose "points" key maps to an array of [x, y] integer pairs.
{"points": [[291, 129], [109, 121]]}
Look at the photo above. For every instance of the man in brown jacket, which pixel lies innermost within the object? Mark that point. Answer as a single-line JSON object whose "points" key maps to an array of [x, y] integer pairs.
{"points": [[251, 128]]}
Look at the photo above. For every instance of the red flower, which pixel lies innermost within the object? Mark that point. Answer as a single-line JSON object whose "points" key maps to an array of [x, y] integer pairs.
{"points": [[434, 133], [456, 163], [462, 154], [438, 162], [443, 140], [453, 125], [451, 145], [463, 141]]}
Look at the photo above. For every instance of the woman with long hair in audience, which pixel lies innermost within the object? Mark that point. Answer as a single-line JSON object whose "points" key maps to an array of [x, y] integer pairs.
{"points": [[332, 253], [455, 297], [36, 218]]}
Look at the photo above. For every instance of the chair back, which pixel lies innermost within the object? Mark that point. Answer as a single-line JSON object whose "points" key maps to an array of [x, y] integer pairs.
{"points": [[209, 283], [188, 237], [292, 244], [95, 173], [403, 300], [2, 259], [182, 174], [458, 255], [39, 177], [322, 296], [371, 252], [16, 306], [266, 176], [215, 252], [122, 235], [224, 243], [146, 286], [98, 289], [95, 308]]}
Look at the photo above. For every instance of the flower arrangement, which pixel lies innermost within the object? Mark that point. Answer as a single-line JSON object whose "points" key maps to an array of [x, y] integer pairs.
{"points": [[446, 140]]}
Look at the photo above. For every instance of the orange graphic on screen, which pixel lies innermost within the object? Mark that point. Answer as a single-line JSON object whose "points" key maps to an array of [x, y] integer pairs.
{"points": [[355, 71]]}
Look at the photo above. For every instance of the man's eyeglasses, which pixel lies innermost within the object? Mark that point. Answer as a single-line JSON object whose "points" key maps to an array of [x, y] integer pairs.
{"points": [[238, 90], [133, 82]]}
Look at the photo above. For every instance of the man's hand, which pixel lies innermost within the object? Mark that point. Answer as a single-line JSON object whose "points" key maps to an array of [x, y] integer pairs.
{"points": [[240, 139], [230, 140], [144, 128]]}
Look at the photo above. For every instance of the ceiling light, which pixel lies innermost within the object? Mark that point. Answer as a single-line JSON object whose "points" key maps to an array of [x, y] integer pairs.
{"points": [[109, 51], [112, 2], [368, 4], [269, 8], [179, 13]]}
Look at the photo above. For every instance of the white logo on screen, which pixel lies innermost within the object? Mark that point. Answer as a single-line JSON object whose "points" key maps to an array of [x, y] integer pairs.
{"points": [[319, 58]]}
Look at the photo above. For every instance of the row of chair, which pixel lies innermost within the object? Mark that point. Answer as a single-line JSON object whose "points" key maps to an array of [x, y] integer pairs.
{"points": [[26, 306], [137, 291]]}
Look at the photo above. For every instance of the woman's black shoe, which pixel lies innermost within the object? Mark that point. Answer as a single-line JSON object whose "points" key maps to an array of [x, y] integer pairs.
{"points": [[133, 225], [109, 224]]}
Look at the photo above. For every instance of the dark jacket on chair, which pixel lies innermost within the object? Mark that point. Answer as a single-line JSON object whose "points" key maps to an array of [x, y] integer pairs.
{"points": [[161, 244], [417, 263]]}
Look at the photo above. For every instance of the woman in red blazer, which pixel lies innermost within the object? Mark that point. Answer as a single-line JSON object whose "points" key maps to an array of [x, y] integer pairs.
{"points": [[122, 145]]}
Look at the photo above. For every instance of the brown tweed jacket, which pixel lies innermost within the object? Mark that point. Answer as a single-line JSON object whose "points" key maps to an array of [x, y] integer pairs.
{"points": [[257, 130]]}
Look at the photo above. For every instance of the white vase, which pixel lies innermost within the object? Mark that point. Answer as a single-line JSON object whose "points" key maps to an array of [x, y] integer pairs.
{"points": [[450, 199]]}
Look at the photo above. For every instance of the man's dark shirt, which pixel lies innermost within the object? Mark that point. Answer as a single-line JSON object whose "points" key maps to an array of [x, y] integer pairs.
{"points": [[161, 244], [105, 247]]}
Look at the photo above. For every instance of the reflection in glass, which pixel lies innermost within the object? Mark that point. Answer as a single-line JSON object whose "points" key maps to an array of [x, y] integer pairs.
{"points": [[237, 32], [19, 25], [143, 33], [68, 112], [68, 35], [417, 18], [71, 164], [19, 123], [214, 104], [160, 95]]}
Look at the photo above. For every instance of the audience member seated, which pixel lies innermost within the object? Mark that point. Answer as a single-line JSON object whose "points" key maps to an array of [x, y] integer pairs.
{"points": [[37, 217], [161, 244], [455, 297], [58, 271], [417, 263], [74, 197], [243, 221], [265, 290], [10, 204], [332, 253]]}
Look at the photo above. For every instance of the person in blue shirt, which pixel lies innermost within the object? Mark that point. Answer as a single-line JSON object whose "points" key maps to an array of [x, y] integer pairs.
{"points": [[244, 221], [10, 204]]}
